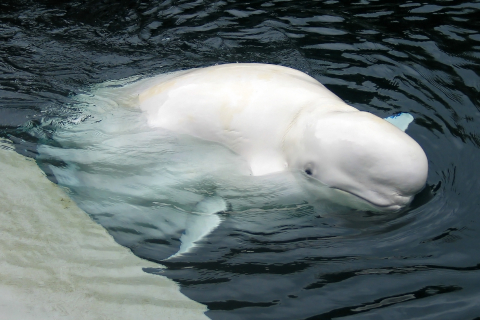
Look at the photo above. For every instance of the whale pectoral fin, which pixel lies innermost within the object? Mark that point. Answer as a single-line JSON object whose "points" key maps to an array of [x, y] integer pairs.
{"points": [[211, 205], [198, 226], [400, 120], [201, 223]]}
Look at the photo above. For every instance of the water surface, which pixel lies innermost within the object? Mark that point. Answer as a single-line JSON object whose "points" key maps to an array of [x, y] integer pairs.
{"points": [[273, 258]]}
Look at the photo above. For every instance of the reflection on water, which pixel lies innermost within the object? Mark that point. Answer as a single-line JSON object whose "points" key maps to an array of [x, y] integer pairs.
{"points": [[277, 260]]}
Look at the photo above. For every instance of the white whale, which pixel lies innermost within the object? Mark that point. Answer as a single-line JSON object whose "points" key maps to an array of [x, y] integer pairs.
{"points": [[279, 119], [276, 118]]}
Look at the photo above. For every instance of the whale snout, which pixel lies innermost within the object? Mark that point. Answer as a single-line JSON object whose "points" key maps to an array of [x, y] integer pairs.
{"points": [[388, 191]]}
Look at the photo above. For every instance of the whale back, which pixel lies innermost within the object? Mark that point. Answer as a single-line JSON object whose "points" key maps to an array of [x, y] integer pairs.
{"points": [[246, 107]]}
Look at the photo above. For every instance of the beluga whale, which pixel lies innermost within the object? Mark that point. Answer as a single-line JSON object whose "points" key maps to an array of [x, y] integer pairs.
{"points": [[278, 118], [169, 153]]}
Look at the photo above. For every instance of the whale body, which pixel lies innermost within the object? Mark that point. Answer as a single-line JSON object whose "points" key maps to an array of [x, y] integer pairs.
{"points": [[139, 150], [278, 119]]}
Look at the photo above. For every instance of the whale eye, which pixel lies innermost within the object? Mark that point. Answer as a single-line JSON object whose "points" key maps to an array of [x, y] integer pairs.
{"points": [[308, 171]]}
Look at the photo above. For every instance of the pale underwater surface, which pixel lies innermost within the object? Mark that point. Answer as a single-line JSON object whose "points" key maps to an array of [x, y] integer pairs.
{"points": [[379, 56], [56, 263]]}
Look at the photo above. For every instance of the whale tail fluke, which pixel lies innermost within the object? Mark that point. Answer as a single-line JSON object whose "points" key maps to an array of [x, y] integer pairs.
{"points": [[400, 120], [201, 223]]}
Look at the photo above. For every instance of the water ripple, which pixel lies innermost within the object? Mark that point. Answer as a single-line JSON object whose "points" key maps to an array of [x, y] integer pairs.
{"points": [[262, 263]]}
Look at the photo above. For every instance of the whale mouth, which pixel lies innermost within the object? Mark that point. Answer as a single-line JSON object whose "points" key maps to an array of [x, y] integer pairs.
{"points": [[388, 207], [367, 200]]}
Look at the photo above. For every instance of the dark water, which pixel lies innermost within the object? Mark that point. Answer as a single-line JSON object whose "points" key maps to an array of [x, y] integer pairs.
{"points": [[382, 57]]}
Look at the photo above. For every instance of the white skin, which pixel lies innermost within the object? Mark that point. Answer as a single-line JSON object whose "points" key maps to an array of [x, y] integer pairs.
{"points": [[279, 119]]}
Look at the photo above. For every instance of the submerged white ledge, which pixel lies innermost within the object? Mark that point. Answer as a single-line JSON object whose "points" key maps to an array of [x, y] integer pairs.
{"points": [[56, 263]]}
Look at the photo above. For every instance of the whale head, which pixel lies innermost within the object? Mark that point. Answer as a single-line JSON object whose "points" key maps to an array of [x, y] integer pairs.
{"points": [[362, 155]]}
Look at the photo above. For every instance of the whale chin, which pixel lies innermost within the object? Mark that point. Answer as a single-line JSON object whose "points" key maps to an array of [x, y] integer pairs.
{"points": [[379, 202], [392, 206], [376, 204]]}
